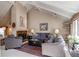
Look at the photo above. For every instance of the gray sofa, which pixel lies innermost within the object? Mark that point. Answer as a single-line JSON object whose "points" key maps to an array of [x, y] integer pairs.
{"points": [[54, 50], [13, 42]]}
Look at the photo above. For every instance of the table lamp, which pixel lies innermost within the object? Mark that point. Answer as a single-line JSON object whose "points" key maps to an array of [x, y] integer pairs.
{"points": [[57, 31]]}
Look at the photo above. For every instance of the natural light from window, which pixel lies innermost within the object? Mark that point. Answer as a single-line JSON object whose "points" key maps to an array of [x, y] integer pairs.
{"points": [[2, 32]]}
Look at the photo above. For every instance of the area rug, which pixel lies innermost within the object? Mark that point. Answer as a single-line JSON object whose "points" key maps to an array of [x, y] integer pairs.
{"points": [[31, 49]]}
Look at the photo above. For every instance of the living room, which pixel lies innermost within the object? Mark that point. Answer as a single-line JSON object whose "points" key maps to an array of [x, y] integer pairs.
{"points": [[30, 29]]}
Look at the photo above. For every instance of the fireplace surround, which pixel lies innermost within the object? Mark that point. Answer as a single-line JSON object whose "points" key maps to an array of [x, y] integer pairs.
{"points": [[23, 34]]}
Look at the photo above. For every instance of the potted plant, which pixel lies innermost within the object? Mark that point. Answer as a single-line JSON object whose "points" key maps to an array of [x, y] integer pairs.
{"points": [[74, 40]]}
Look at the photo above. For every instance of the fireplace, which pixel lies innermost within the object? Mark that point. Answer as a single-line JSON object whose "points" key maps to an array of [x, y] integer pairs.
{"points": [[23, 34]]}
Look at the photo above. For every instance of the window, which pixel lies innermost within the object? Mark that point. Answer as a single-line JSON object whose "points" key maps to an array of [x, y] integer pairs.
{"points": [[2, 32], [75, 28], [78, 27]]}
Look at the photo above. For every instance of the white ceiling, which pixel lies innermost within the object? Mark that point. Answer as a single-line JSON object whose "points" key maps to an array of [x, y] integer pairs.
{"points": [[63, 8], [71, 6]]}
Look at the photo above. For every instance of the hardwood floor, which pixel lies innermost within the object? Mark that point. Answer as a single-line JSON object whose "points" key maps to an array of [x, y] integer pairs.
{"points": [[31, 49]]}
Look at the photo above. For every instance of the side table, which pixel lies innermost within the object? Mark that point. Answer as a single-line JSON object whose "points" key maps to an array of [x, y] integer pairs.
{"points": [[1, 42]]}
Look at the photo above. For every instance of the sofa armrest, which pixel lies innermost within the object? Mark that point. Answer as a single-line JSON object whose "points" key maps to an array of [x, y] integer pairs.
{"points": [[54, 50]]}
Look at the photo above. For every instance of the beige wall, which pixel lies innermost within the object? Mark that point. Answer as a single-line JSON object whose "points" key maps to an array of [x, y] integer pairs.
{"points": [[33, 18], [36, 17], [17, 11]]}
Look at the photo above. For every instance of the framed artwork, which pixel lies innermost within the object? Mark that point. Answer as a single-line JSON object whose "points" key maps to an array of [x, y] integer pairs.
{"points": [[21, 24], [43, 26]]}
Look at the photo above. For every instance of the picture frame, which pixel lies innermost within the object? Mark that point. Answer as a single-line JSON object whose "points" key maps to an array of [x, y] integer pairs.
{"points": [[21, 22], [43, 26]]}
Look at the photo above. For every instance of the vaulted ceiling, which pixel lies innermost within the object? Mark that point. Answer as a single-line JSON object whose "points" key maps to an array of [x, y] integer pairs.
{"points": [[4, 8], [63, 8]]}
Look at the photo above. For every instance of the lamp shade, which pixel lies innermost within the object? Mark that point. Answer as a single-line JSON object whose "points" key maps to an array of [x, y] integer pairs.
{"points": [[32, 30], [57, 31]]}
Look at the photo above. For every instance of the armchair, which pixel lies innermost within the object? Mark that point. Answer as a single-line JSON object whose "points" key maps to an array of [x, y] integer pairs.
{"points": [[13, 42]]}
